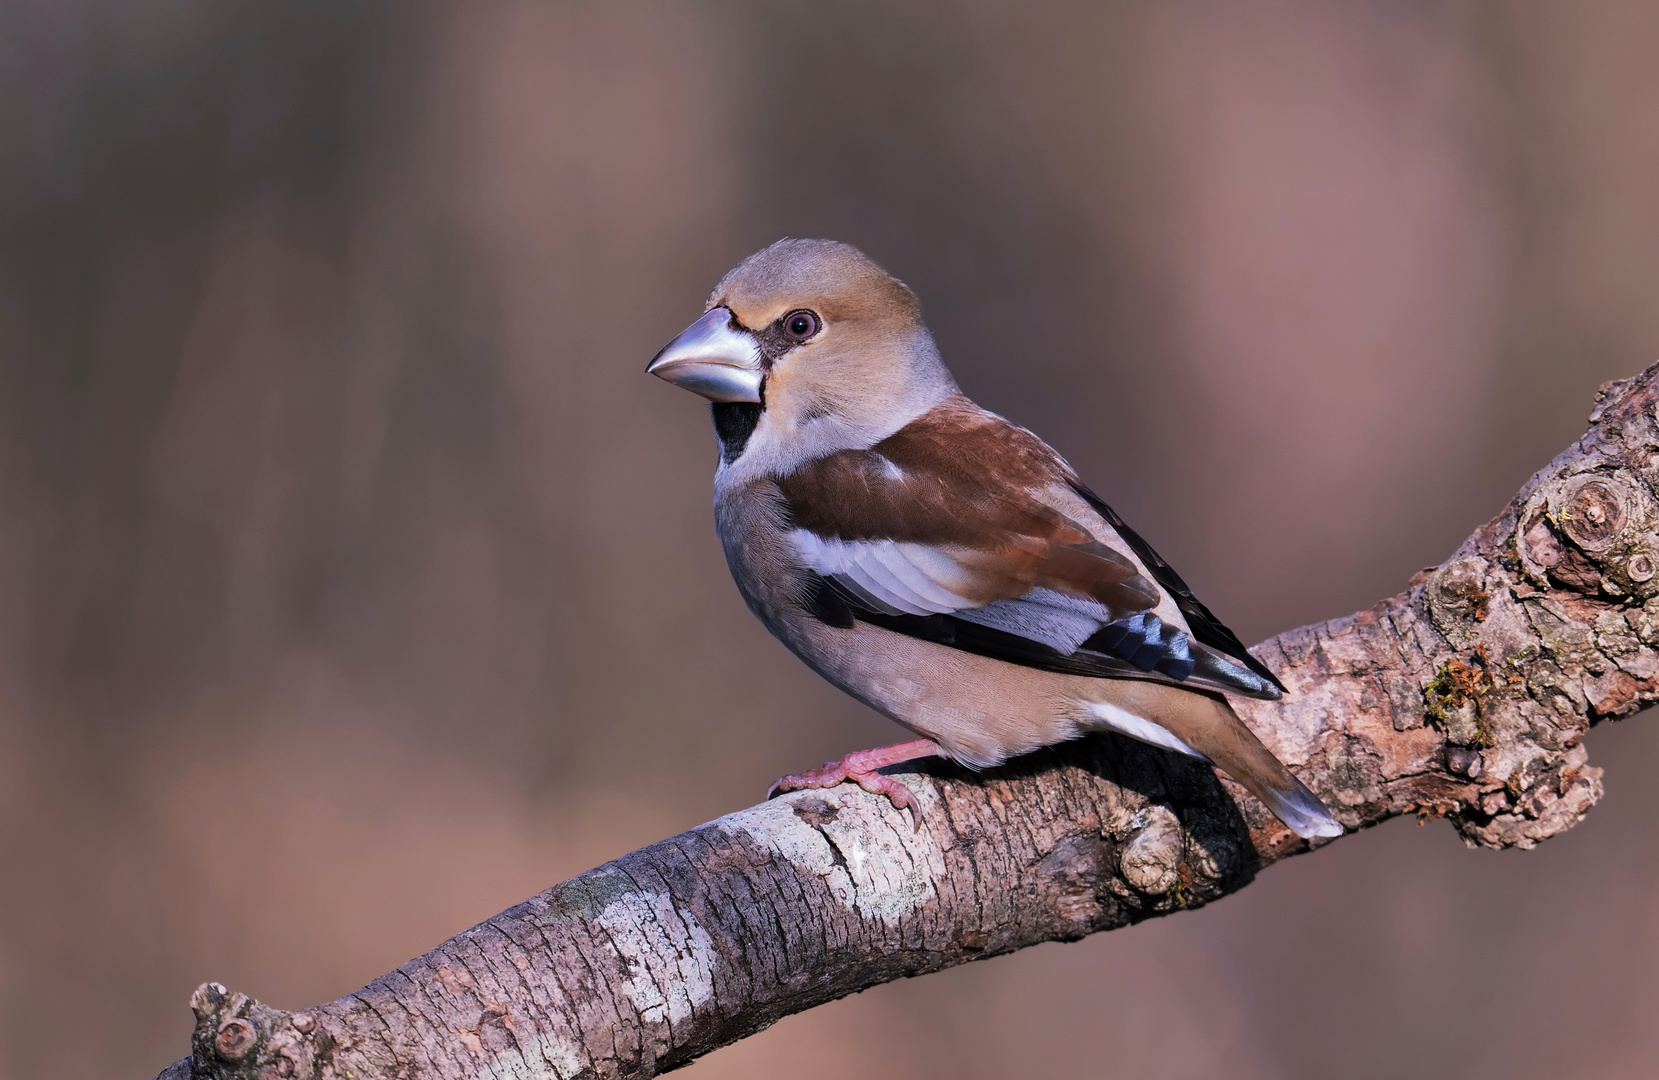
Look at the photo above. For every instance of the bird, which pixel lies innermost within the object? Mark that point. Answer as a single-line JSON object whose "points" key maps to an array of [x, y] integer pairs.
{"points": [[934, 560]]}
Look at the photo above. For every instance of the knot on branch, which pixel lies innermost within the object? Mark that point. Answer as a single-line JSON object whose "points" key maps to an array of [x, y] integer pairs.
{"points": [[239, 1038], [1591, 533], [1552, 616], [1152, 861]]}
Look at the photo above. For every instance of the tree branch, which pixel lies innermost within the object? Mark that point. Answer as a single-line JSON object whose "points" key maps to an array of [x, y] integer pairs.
{"points": [[1467, 697]]}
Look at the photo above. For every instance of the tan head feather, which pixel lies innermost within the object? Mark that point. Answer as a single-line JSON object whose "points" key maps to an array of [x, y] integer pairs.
{"points": [[871, 366]]}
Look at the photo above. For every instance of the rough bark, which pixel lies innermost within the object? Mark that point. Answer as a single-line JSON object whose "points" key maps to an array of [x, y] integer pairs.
{"points": [[1466, 697]]}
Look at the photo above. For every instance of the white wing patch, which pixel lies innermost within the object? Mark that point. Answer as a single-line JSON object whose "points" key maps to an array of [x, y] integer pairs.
{"points": [[898, 579], [888, 469], [917, 579]]}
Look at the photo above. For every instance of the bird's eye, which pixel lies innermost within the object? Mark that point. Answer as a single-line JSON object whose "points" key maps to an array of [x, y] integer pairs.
{"points": [[800, 325]]}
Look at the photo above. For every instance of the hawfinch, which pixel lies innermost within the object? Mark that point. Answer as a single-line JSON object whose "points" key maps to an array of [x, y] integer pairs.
{"points": [[935, 561]]}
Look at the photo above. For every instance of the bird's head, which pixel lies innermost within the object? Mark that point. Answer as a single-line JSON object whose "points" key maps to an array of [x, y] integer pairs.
{"points": [[816, 338]]}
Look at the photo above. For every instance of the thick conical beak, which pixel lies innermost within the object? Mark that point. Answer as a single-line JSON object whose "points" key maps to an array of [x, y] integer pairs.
{"points": [[713, 357]]}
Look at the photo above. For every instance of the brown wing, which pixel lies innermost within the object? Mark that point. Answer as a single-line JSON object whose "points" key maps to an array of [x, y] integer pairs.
{"points": [[964, 484], [949, 530]]}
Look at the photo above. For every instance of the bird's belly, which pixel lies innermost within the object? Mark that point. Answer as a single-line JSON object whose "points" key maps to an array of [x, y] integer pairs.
{"points": [[981, 711]]}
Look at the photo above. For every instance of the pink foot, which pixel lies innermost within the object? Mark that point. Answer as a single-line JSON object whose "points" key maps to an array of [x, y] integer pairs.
{"points": [[861, 767]]}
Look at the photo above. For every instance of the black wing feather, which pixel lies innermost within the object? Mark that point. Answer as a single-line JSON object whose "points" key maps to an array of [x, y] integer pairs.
{"points": [[1001, 645], [1169, 659], [1205, 627]]}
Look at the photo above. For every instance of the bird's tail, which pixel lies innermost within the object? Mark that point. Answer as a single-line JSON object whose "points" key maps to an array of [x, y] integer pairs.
{"points": [[1206, 725], [1296, 806]]}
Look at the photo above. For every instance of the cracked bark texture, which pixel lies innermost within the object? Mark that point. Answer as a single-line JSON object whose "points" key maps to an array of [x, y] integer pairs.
{"points": [[1467, 697]]}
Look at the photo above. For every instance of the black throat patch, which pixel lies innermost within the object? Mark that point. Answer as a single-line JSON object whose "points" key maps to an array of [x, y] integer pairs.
{"points": [[734, 422]]}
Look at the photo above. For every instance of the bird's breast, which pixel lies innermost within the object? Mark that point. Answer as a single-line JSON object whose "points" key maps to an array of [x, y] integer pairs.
{"points": [[752, 521]]}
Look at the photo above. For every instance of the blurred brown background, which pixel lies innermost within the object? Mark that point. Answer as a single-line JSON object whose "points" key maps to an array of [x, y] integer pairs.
{"points": [[355, 583]]}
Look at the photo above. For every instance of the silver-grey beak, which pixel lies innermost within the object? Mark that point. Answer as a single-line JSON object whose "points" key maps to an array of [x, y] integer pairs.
{"points": [[714, 358]]}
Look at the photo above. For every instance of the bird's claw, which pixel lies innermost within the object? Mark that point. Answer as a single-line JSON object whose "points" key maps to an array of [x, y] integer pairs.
{"points": [[836, 773], [832, 774]]}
